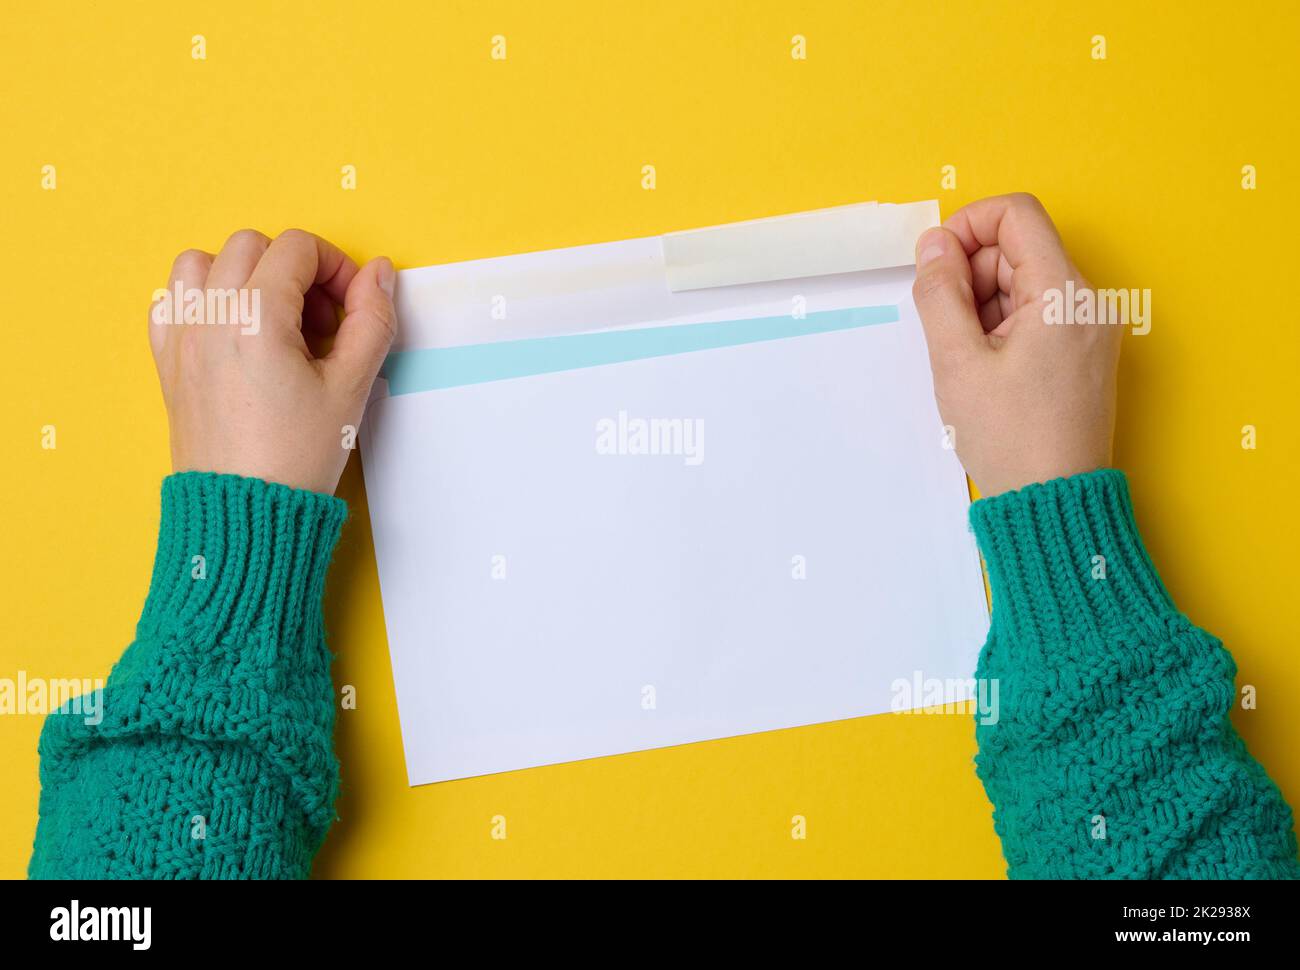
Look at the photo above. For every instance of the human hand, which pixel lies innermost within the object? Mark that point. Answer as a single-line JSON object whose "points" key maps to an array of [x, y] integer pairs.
{"points": [[271, 392], [1026, 401]]}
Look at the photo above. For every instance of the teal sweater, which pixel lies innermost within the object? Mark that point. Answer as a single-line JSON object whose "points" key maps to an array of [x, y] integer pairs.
{"points": [[215, 755], [1112, 755]]}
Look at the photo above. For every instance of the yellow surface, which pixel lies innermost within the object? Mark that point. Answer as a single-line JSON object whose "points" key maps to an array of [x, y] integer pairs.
{"points": [[459, 156]]}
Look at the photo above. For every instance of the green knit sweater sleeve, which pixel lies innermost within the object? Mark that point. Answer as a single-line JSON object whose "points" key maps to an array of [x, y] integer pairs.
{"points": [[214, 754], [1112, 754]]}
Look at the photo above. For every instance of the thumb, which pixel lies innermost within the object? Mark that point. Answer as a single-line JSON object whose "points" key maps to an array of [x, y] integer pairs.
{"points": [[945, 298], [368, 328]]}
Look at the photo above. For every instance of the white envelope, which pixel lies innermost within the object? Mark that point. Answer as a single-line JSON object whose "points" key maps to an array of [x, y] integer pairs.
{"points": [[610, 517]]}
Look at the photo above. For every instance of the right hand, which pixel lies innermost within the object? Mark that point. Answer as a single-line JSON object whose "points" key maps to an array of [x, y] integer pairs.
{"points": [[1026, 401]]}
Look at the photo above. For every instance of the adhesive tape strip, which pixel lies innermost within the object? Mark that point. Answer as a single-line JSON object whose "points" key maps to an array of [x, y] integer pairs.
{"points": [[844, 239]]}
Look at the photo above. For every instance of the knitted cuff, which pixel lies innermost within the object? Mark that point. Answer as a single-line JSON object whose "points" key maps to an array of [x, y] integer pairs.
{"points": [[1065, 560], [240, 561]]}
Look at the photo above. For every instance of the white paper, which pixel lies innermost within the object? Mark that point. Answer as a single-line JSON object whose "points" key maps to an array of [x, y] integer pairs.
{"points": [[546, 602]]}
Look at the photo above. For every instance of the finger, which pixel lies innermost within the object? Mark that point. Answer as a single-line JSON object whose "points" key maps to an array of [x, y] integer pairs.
{"points": [[189, 270], [984, 272], [237, 259], [990, 313], [367, 330], [294, 263], [945, 299], [1016, 223], [991, 279], [1025, 236], [320, 314]]}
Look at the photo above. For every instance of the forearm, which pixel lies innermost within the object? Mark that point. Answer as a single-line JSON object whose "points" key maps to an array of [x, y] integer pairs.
{"points": [[1113, 755], [214, 757]]}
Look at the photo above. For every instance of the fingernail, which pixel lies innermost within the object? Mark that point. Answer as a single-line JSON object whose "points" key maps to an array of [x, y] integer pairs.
{"points": [[387, 275], [930, 246]]}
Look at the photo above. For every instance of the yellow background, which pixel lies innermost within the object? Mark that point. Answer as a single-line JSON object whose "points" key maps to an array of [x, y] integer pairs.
{"points": [[458, 156]]}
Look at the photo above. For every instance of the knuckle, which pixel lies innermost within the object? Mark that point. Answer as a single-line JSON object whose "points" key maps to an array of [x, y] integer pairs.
{"points": [[386, 323], [247, 237], [295, 237], [191, 262], [1028, 201], [927, 286], [190, 257]]}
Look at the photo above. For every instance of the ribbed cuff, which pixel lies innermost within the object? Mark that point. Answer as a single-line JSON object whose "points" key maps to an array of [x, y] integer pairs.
{"points": [[1065, 560], [240, 560]]}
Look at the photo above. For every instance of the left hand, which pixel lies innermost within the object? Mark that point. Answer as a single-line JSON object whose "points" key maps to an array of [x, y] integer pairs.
{"points": [[272, 394]]}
